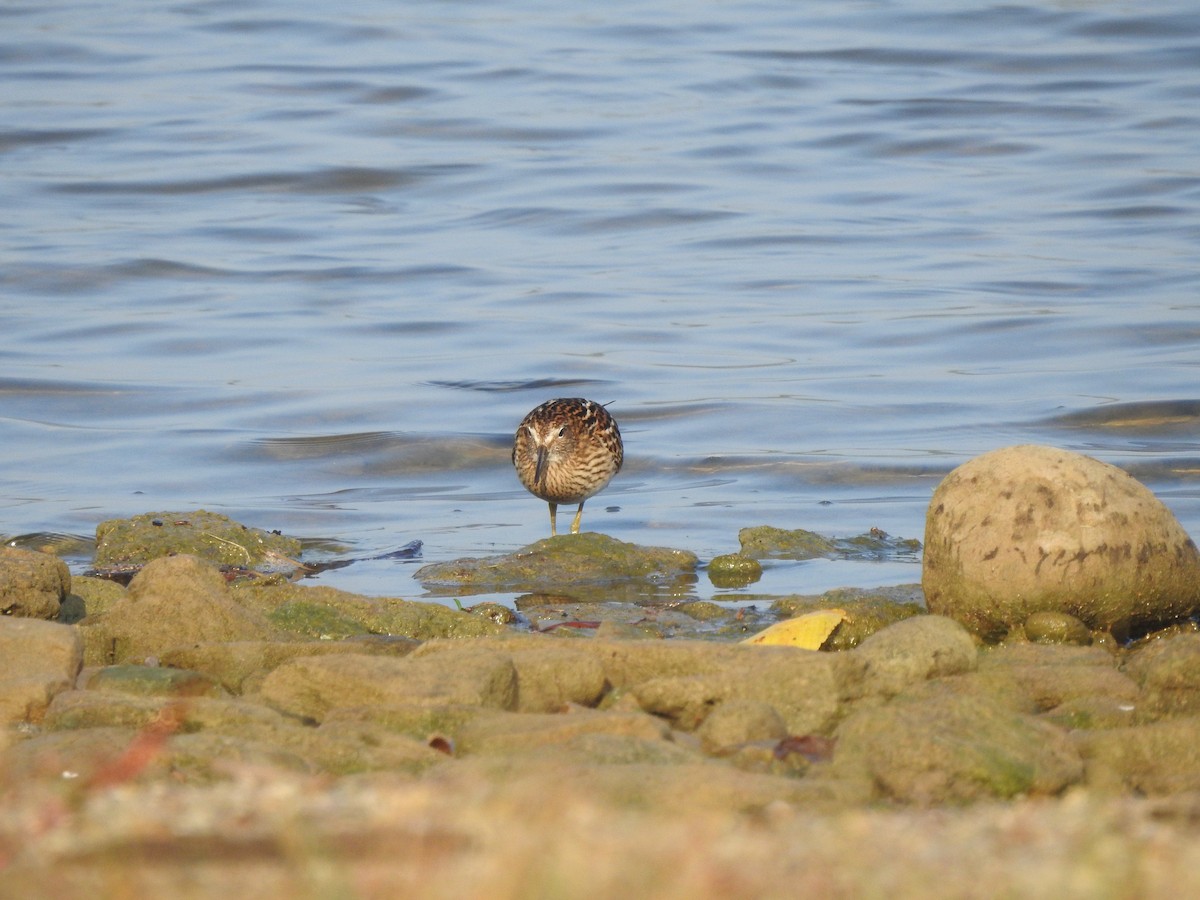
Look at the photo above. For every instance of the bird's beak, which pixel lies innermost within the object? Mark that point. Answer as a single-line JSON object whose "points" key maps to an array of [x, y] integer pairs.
{"points": [[539, 472]]}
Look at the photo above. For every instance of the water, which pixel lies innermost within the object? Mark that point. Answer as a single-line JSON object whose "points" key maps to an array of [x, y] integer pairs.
{"points": [[310, 267]]}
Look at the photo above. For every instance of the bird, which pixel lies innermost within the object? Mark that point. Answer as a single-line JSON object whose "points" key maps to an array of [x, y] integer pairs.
{"points": [[565, 451]]}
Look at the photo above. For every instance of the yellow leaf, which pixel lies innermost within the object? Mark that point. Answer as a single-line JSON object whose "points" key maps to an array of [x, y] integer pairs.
{"points": [[808, 631]]}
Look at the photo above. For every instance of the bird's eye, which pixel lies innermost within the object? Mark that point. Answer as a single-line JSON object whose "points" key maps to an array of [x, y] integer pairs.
{"points": [[562, 431]]}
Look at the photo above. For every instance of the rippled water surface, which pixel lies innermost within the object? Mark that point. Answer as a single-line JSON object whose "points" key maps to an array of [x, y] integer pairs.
{"points": [[310, 267]]}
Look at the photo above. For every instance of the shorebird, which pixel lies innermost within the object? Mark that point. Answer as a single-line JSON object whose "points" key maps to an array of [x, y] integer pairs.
{"points": [[566, 451]]}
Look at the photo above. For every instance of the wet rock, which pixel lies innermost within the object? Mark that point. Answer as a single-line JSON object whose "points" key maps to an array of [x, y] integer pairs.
{"points": [[311, 686], [1158, 759], [941, 747], [565, 561], [1169, 674], [1056, 628], [733, 570], [130, 543], [240, 666], [906, 653], [32, 585], [325, 613], [38, 660], [768, 542], [1029, 529], [739, 722], [173, 602]]}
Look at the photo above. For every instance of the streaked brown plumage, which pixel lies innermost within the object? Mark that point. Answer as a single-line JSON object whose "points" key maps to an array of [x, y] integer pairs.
{"points": [[566, 451]]}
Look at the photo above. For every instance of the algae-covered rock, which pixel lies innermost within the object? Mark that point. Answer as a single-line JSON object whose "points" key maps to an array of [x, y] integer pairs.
{"points": [[1028, 529], [89, 596], [1169, 674], [1052, 627], [1156, 759], [733, 570], [1070, 684], [906, 653], [326, 613], [769, 542], [557, 563], [937, 746], [174, 601], [32, 585], [129, 543]]}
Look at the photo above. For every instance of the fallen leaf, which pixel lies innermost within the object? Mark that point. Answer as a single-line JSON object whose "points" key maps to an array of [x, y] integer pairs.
{"points": [[809, 631]]}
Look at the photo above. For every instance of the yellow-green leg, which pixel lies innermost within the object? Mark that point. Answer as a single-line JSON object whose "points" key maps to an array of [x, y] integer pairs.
{"points": [[553, 515], [575, 524]]}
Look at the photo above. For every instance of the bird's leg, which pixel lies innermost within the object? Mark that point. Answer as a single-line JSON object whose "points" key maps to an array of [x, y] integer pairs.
{"points": [[553, 515], [575, 524]]}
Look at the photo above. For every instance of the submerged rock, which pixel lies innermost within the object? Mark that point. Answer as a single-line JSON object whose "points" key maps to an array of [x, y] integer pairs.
{"points": [[1029, 529], [558, 563]]}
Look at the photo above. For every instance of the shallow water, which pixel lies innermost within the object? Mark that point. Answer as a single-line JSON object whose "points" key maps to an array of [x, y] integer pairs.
{"points": [[311, 268]]}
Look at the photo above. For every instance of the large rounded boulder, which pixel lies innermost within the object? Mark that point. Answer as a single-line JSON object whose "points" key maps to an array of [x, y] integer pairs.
{"points": [[1029, 529]]}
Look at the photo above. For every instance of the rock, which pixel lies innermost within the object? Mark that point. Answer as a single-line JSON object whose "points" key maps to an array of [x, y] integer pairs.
{"points": [[942, 747], [1056, 628], [38, 660], [1159, 759], [198, 733], [910, 651], [32, 585], [549, 676], [310, 687], [150, 681], [1029, 529], [130, 543], [241, 665], [522, 733], [738, 722], [175, 601], [798, 684], [733, 570], [325, 613], [1056, 679], [568, 561], [768, 542], [1169, 674], [89, 596]]}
